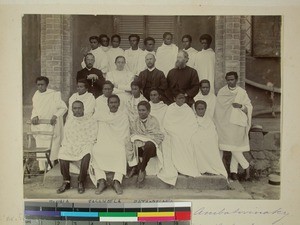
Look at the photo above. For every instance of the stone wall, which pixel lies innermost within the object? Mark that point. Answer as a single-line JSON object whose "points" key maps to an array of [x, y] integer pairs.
{"points": [[265, 152]]}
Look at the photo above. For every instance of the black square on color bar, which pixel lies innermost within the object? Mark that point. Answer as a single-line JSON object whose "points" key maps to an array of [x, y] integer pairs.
{"points": [[98, 209], [166, 209], [182, 209], [115, 209], [64, 209], [133, 209], [149, 209], [48, 208], [81, 209]]}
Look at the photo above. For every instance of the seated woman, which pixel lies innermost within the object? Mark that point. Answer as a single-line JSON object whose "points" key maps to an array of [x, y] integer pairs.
{"points": [[208, 96], [85, 97], [180, 124], [205, 143], [121, 79]]}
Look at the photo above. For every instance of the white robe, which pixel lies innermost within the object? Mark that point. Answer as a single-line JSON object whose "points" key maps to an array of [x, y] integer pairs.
{"points": [[109, 152], [180, 123], [210, 100], [45, 105], [192, 56], [133, 60], [166, 57], [233, 124], [88, 101], [112, 54], [105, 49], [205, 66], [206, 149], [168, 173], [131, 106], [121, 79], [79, 137], [101, 60]]}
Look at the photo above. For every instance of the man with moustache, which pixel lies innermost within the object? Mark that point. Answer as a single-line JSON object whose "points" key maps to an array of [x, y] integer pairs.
{"points": [[182, 78], [93, 76], [152, 78]]}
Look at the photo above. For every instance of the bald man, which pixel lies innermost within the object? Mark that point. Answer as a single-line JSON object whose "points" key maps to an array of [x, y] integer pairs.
{"points": [[152, 78]]}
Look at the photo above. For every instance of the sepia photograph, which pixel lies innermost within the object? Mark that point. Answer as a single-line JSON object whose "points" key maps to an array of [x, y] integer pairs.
{"points": [[151, 107]]}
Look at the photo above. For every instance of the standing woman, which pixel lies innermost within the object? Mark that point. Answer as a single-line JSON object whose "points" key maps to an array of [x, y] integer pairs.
{"points": [[232, 117]]}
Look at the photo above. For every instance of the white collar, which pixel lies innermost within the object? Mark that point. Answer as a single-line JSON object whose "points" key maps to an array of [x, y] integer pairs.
{"points": [[151, 69]]}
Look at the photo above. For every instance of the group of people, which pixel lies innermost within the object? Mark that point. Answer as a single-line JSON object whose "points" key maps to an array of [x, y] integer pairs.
{"points": [[156, 116]]}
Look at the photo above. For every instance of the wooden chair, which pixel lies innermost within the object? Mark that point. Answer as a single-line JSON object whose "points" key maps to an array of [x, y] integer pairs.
{"points": [[30, 151]]}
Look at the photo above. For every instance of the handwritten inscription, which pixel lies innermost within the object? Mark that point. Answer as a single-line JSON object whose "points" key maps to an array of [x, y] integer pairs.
{"points": [[279, 213]]}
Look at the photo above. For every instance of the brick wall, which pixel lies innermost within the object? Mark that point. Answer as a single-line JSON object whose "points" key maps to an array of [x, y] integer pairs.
{"points": [[56, 52], [230, 48]]}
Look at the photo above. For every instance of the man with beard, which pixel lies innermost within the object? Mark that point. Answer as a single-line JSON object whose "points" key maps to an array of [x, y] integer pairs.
{"points": [[93, 76], [182, 79]]}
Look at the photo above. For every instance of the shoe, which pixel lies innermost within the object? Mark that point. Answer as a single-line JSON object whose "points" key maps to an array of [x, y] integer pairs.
{"points": [[141, 177], [247, 176], [65, 186], [81, 188], [117, 187], [234, 176], [132, 172], [101, 186]]}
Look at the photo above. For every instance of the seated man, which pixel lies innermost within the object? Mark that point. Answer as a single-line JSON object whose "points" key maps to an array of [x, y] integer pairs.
{"points": [[205, 143], [79, 137], [208, 96], [147, 137], [85, 97], [47, 104], [180, 124], [109, 152]]}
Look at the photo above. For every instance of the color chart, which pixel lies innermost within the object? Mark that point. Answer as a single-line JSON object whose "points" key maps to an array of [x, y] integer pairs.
{"points": [[56, 213]]}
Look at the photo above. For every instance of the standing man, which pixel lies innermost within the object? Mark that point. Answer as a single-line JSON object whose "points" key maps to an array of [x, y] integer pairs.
{"points": [[149, 44], [93, 76], [47, 104], [133, 54], [166, 54], [187, 46], [233, 120], [182, 79], [152, 78], [101, 61], [109, 153], [205, 61], [79, 137], [104, 42], [114, 52]]}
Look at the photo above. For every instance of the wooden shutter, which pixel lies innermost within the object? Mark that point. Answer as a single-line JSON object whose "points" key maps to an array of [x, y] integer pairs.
{"points": [[156, 26], [126, 25]]}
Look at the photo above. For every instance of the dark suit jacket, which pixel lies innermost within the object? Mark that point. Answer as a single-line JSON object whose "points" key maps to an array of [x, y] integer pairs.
{"points": [[157, 81], [185, 80], [94, 87]]}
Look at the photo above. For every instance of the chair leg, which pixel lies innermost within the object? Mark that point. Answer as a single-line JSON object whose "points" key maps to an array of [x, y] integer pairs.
{"points": [[48, 160], [25, 168]]}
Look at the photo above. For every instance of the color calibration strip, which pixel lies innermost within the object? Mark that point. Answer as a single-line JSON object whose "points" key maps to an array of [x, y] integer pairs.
{"points": [[109, 212]]}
